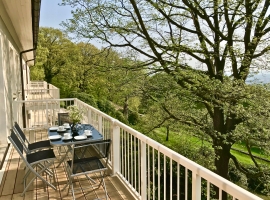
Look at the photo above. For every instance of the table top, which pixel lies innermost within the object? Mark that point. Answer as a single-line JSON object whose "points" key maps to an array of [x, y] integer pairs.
{"points": [[60, 142]]}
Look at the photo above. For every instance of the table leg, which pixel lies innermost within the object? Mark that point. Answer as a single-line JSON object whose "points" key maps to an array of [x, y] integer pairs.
{"points": [[64, 157]]}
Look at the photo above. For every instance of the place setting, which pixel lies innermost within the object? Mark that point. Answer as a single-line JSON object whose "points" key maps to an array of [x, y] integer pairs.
{"points": [[61, 129], [67, 136], [55, 137], [66, 126]]}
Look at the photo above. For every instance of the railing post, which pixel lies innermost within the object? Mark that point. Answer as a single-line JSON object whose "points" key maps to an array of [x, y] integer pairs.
{"points": [[143, 171], [196, 186], [100, 124], [47, 114], [89, 116], [115, 135]]}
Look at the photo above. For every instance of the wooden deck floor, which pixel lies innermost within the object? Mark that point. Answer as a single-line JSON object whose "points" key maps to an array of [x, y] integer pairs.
{"points": [[11, 186]]}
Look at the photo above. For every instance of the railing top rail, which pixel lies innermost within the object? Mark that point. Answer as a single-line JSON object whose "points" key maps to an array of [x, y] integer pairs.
{"points": [[39, 89], [46, 100]]}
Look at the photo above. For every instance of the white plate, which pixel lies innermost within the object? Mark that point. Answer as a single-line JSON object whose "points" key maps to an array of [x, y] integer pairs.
{"points": [[55, 137], [61, 130], [80, 137], [53, 128], [68, 138], [67, 127]]}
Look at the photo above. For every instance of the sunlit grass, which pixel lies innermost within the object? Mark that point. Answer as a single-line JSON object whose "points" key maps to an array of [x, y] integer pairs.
{"points": [[160, 135]]}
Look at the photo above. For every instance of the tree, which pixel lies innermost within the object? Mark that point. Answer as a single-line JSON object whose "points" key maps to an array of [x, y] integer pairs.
{"points": [[54, 53], [208, 47]]}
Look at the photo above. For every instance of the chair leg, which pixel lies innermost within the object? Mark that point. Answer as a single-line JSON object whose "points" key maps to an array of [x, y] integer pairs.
{"points": [[64, 157], [104, 185], [39, 176]]}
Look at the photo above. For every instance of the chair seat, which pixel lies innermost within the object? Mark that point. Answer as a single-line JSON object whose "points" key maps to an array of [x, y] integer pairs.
{"points": [[89, 165], [40, 155], [39, 145]]}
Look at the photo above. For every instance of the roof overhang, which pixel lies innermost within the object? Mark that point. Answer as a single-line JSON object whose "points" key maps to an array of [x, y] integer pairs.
{"points": [[22, 21]]}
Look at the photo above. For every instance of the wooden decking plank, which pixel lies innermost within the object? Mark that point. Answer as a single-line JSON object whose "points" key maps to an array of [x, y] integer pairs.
{"points": [[6, 197], [18, 188], [17, 197], [29, 195], [11, 175], [6, 172]]}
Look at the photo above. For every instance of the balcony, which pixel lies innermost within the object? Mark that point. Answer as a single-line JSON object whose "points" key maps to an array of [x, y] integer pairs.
{"points": [[41, 90], [141, 168]]}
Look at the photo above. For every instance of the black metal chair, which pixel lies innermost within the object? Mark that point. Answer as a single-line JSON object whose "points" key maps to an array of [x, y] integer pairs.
{"points": [[41, 159], [88, 158], [63, 118], [31, 147]]}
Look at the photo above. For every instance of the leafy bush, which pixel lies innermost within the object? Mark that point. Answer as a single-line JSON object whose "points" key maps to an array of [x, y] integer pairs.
{"points": [[133, 118], [119, 115], [87, 98]]}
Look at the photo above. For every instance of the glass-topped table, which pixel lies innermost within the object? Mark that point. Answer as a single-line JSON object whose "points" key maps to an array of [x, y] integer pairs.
{"points": [[52, 131], [81, 127]]}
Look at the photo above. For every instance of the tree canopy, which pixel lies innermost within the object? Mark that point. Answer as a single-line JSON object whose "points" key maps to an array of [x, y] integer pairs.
{"points": [[208, 48]]}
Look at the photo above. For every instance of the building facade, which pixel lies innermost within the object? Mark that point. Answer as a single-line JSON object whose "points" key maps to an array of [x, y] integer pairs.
{"points": [[19, 21]]}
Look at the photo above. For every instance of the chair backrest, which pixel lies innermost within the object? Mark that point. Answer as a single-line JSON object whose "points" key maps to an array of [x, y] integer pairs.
{"points": [[20, 132], [99, 149], [63, 118], [16, 142], [19, 147], [87, 156]]}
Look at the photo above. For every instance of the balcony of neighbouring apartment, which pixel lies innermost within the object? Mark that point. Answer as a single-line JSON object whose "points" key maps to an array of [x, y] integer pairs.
{"points": [[41, 90]]}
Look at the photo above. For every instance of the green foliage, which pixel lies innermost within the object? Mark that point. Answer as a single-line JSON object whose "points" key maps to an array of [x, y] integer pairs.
{"points": [[75, 114], [54, 54], [87, 98], [119, 115], [133, 118]]}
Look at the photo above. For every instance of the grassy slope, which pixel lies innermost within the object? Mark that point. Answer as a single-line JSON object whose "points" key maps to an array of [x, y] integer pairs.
{"points": [[243, 158]]}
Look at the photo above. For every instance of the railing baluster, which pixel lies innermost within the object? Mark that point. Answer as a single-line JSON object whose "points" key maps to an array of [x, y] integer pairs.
{"points": [[153, 169], [128, 158], [136, 167], [148, 172], [178, 181], [196, 186], [116, 149], [208, 190], [164, 180], [171, 185], [159, 174], [132, 161], [143, 170], [186, 183]]}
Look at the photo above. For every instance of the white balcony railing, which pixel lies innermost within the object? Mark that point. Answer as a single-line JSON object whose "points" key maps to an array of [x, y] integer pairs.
{"points": [[41, 90], [147, 168]]}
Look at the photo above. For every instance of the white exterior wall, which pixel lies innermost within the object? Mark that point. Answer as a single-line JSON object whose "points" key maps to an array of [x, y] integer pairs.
{"points": [[10, 80]]}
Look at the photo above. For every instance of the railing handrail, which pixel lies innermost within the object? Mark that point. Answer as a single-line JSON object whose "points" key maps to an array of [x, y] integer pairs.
{"points": [[41, 89]]}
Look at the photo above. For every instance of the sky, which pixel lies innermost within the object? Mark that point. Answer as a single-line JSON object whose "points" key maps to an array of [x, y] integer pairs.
{"points": [[51, 14]]}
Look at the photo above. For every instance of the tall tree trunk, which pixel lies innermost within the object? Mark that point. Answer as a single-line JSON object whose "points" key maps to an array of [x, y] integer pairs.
{"points": [[167, 132], [222, 158], [222, 150]]}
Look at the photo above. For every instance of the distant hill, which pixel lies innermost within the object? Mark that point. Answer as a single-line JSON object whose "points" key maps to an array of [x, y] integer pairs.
{"points": [[259, 78]]}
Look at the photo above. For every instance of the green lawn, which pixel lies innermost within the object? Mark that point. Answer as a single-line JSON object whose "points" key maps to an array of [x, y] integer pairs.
{"points": [[174, 138]]}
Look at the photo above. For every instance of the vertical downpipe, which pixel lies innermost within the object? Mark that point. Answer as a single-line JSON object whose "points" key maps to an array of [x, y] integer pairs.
{"points": [[22, 82]]}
